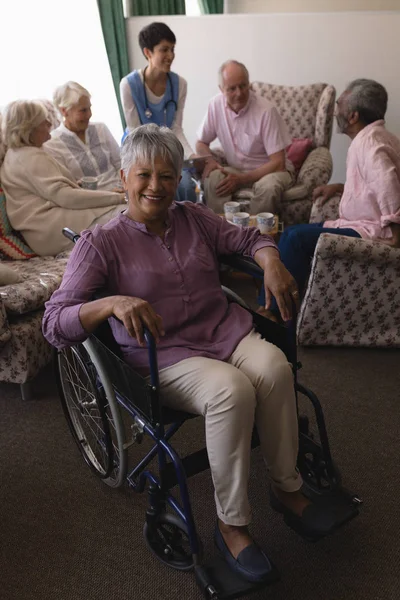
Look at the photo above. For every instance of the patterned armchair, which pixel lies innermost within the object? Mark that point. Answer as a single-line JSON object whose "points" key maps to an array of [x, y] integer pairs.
{"points": [[353, 293], [308, 113]]}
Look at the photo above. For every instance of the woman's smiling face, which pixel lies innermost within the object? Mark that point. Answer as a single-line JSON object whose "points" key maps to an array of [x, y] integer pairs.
{"points": [[151, 189]]}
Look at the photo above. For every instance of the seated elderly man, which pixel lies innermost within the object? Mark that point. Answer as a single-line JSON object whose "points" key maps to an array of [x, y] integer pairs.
{"points": [[253, 136], [370, 203], [41, 196], [86, 149], [211, 360]]}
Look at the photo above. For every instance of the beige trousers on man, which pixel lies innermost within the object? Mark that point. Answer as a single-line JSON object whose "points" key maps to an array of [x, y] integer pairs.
{"points": [[267, 191], [255, 386]]}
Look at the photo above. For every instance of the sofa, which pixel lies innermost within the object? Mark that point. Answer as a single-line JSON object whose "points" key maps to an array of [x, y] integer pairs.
{"points": [[32, 280]]}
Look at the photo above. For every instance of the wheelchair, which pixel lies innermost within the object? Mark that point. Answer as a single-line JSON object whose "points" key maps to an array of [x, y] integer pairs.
{"points": [[109, 408]]}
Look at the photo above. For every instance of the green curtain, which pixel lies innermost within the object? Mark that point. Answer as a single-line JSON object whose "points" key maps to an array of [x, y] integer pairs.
{"points": [[113, 26], [143, 8], [211, 7]]}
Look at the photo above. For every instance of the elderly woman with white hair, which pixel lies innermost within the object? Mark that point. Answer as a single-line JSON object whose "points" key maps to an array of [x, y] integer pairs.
{"points": [[41, 196], [159, 263], [86, 149]]}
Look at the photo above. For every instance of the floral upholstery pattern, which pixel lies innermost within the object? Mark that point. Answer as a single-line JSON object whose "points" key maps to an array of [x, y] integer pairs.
{"points": [[27, 351], [23, 349], [353, 294], [41, 277], [308, 112], [329, 210], [306, 109]]}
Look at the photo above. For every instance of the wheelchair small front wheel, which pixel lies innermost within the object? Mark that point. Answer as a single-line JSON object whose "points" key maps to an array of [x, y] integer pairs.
{"points": [[167, 537]]}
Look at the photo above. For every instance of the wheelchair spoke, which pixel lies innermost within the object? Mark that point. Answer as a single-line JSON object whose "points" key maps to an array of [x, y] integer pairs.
{"points": [[92, 412]]}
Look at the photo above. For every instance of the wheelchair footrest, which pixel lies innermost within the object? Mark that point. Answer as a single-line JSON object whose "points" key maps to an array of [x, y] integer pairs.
{"points": [[218, 582], [341, 501]]}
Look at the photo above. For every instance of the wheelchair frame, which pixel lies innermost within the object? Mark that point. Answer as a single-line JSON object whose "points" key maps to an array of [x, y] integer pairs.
{"points": [[113, 385]]}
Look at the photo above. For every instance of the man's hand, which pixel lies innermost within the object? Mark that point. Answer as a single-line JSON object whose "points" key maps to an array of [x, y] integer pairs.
{"points": [[278, 282], [211, 165], [325, 192], [230, 184], [134, 313]]}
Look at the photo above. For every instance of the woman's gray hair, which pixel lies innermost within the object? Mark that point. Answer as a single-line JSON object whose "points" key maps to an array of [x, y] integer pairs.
{"points": [[67, 95], [226, 64], [367, 97], [146, 143], [20, 118], [52, 112]]}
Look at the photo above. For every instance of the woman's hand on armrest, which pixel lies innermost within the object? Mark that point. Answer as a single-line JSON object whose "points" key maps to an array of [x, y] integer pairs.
{"points": [[278, 282], [132, 312]]}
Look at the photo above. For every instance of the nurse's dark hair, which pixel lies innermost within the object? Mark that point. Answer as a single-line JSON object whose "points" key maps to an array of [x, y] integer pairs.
{"points": [[153, 34]]}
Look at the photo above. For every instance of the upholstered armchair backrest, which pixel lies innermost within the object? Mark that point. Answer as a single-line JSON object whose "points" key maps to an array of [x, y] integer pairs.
{"points": [[306, 109]]}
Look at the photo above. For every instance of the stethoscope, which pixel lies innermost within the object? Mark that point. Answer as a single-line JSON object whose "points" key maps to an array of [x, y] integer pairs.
{"points": [[147, 111]]}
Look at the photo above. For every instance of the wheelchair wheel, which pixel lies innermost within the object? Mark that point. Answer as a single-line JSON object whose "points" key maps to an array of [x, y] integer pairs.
{"points": [[167, 537], [92, 413]]}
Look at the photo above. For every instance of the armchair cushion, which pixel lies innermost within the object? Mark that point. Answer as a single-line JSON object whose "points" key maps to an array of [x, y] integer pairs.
{"points": [[317, 169], [298, 151], [353, 294], [12, 244], [39, 277]]}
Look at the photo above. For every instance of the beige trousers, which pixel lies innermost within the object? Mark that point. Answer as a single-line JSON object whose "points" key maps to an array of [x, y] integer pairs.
{"points": [[267, 191], [255, 386]]}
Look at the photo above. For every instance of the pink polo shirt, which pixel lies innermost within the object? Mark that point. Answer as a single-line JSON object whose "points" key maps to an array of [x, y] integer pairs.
{"points": [[371, 196], [249, 137]]}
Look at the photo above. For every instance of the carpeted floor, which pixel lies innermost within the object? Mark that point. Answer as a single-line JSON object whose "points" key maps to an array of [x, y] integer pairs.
{"points": [[66, 536]]}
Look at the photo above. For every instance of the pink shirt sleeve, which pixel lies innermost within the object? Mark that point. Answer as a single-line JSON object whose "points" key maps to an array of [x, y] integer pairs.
{"points": [[383, 179], [274, 132], [207, 131]]}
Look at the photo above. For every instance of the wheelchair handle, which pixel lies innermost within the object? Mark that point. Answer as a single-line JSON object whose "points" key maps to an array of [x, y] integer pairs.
{"points": [[70, 234]]}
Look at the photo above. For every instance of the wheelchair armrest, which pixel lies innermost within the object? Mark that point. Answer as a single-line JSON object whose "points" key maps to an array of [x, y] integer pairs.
{"points": [[243, 263]]}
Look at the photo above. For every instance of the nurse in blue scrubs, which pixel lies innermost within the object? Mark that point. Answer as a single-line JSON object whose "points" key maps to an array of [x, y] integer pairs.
{"points": [[157, 95]]}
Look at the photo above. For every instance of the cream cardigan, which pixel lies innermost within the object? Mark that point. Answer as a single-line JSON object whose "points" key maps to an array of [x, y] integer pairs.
{"points": [[41, 199]]}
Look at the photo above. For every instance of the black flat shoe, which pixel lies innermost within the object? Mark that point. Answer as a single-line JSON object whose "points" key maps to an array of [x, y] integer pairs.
{"points": [[252, 563], [314, 523]]}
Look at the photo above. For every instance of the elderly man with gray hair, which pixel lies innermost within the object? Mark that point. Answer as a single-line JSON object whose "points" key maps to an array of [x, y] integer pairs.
{"points": [[86, 149], [370, 203], [253, 136]]}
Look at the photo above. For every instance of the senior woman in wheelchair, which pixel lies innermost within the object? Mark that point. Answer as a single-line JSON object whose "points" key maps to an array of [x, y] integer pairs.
{"points": [[159, 263]]}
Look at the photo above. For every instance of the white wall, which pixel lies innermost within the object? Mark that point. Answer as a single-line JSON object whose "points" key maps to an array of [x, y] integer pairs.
{"points": [[266, 6], [288, 49]]}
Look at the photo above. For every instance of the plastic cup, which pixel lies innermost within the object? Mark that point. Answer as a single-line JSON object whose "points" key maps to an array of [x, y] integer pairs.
{"points": [[230, 208], [89, 183], [241, 218], [265, 222]]}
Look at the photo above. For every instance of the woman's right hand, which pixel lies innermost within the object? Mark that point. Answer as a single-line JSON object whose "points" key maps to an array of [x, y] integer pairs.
{"points": [[323, 193], [134, 313]]}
